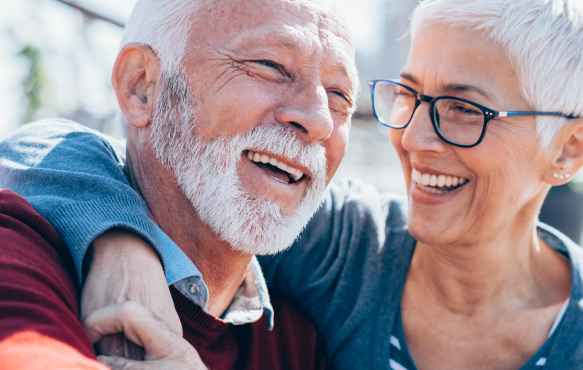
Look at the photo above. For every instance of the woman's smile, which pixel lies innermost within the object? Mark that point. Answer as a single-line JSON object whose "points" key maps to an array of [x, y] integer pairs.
{"points": [[437, 183]]}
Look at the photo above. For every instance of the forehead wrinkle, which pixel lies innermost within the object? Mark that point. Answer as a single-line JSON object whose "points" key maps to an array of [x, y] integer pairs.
{"points": [[265, 38]]}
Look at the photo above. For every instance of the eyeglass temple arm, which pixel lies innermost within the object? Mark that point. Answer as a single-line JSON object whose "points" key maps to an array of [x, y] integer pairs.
{"points": [[519, 113]]}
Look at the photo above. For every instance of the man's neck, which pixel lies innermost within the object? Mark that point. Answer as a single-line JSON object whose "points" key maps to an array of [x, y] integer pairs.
{"points": [[222, 267]]}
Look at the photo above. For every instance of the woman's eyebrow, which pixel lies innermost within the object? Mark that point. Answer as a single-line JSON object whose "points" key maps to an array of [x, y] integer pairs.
{"points": [[409, 77], [455, 87]]}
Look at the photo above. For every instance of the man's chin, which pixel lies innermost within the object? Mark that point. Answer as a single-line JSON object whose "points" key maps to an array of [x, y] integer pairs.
{"points": [[264, 228], [266, 234]]}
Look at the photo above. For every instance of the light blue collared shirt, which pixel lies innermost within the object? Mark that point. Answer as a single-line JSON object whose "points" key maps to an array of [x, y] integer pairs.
{"points": [[249, 303]]}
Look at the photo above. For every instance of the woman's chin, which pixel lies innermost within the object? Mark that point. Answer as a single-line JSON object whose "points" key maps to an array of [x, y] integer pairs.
{"points": [[433, 235]]}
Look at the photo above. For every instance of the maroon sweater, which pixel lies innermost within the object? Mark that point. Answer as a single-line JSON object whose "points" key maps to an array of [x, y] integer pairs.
{"points": [[38, 294]]}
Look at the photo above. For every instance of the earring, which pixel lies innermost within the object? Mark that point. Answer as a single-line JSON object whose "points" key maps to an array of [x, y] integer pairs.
{"points": [[556, 175]]}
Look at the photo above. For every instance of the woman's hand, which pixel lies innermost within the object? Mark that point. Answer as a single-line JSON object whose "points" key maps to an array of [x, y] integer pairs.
{"points": [[164, 349], [123, 268]]}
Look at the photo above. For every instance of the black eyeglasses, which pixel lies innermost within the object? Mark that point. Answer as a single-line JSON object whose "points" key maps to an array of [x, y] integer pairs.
{"points": [[456, 121]]}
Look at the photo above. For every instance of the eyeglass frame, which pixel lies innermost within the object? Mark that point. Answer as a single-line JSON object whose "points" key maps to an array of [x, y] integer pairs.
{"points": [[489, 113]]}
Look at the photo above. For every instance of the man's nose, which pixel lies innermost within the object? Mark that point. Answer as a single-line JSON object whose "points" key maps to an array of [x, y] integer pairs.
{"points": [[419, 135], [308, 111]]}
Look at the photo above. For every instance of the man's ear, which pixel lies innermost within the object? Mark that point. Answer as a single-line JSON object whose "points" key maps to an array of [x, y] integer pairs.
{"points": [[569, 159], [135, 79]]}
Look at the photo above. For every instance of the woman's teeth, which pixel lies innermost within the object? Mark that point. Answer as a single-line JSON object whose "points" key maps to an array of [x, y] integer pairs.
{"points": [[437, 184], [294, 173]]}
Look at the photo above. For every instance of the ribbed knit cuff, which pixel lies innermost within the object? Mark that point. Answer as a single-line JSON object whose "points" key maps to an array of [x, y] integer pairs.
{"points": [[80, 223]]}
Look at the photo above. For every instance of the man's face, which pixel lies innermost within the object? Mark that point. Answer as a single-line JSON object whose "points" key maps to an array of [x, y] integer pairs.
{"points": [[273, 83]]}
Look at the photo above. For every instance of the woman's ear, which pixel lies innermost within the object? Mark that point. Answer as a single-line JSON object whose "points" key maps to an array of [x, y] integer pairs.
{"points": [[135, 78], [570, 154]]}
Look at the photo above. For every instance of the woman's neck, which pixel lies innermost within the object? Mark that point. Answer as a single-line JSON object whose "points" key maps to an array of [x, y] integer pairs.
{"points": [[503, 271]]}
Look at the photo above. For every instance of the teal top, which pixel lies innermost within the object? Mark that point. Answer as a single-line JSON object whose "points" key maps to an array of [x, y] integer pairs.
{"points": [[401, 357]]}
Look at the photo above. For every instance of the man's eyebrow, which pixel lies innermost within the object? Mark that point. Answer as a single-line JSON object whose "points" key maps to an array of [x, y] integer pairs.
{"points": [[451, 87], [352, 76], [291, 45]]}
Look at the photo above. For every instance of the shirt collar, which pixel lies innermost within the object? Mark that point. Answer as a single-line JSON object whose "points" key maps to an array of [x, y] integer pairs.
{"points": [[250, 301]]}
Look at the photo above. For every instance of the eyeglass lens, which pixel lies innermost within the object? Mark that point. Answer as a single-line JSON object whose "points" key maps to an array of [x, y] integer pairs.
{"points": [[458, 121]]}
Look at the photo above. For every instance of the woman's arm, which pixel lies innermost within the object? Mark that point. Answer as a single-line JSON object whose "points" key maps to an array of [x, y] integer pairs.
{"points": [[73, 177]]}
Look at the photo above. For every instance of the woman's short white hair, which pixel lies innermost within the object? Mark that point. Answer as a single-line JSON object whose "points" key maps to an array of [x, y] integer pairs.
{"points": [[163, 25], [542, 38]]}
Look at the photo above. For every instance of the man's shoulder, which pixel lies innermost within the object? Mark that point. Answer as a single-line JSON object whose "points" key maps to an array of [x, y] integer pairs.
{"points": [[31, 248], [22, 222], [58, 127], [37, 288], [37, 140]]}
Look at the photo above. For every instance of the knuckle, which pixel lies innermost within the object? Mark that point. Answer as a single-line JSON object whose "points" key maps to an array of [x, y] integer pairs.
{"points": [[128, 310]]}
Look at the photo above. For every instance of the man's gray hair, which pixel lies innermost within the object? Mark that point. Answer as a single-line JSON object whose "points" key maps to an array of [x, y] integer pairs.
{"points": [[542, 38], [163, 25]]}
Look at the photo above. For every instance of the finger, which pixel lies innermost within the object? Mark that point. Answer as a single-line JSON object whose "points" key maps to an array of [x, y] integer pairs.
{"points": [[102, 322], [120, 363], [118, 345], [138, 325]]}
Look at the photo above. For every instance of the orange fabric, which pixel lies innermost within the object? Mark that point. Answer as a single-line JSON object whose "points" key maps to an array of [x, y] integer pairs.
{"points": [[29, 350]]}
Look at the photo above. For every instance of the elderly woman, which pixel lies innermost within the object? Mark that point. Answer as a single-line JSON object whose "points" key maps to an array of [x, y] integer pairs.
{"points": [[485, 119]]}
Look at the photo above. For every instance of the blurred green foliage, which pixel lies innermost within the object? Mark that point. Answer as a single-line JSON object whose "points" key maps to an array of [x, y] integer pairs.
{"points": [[34, 81]]}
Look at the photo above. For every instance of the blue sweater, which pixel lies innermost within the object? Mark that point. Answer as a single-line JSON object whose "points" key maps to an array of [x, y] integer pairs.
{"points": [[346, 272]]}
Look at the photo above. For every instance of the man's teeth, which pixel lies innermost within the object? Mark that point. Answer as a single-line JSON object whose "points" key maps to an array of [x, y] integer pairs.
{"points": [[294, 173], [431, 182]]}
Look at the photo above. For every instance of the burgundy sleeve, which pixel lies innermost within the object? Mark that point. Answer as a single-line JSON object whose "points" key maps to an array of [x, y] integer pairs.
{"points": [[37, 290]]}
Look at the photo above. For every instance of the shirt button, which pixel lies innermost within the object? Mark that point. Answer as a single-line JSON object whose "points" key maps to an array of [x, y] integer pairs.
{"points": [[193, 288]]}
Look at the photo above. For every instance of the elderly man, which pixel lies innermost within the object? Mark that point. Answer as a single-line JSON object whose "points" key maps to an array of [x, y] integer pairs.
{"points": [[238, 116]]}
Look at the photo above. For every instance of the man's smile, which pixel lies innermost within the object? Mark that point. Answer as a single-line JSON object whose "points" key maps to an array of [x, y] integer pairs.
{"points": [[276, 168]]}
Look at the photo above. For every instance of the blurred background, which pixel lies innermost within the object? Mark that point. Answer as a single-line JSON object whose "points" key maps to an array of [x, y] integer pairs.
{"points": [[56, 61], [56, 58]]}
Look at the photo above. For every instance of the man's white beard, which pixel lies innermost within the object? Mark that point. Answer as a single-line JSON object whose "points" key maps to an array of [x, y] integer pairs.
{"points": [[207, 174]]}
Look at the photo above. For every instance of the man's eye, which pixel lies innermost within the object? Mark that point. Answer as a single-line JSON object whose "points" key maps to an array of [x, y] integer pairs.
{"points": [[272, 65], [344, 105], [342, 95], [267, 63]]}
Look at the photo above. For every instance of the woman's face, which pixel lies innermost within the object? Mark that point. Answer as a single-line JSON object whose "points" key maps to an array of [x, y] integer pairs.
{"points": [[503, 175]]}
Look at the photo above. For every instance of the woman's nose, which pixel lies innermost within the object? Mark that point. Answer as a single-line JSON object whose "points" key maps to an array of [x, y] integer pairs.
{"points": [[420, 135]]}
